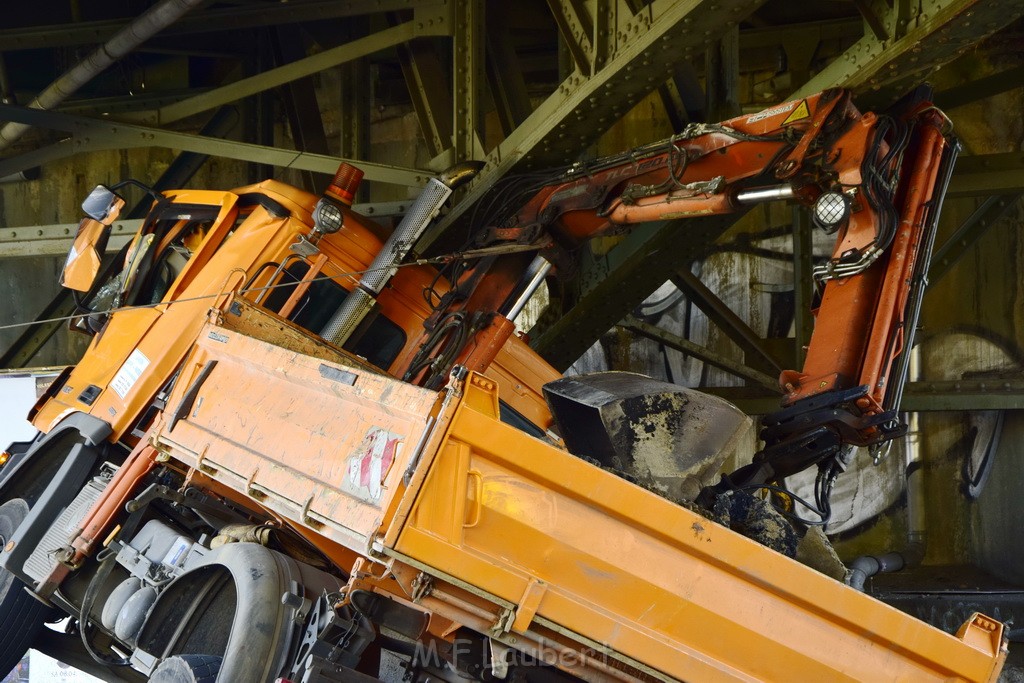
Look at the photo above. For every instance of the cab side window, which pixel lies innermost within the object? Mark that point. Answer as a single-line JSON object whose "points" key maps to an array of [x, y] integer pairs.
{"points": [[379, 342]]}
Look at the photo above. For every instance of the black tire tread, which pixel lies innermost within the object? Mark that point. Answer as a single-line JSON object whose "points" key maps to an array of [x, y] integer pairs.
{"points": [[22, 617]]}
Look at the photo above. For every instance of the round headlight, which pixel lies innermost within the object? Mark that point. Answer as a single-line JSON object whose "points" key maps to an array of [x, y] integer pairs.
{"points": [[831, 211], [327, 217]]}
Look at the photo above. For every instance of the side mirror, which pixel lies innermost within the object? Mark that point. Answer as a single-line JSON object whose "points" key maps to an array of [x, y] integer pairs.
{"points": [[103, 205], [85, 256]]}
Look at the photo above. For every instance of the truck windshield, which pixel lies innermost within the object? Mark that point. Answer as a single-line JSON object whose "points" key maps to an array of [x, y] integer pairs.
{"points": [[152, 261]]}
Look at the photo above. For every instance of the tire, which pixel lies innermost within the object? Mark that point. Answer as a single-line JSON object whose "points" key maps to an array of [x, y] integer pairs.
{"points": [[187, 669], [22, 617]]}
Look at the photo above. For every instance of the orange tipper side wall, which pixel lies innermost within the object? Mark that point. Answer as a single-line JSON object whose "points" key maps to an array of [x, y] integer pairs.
{"points": [[653, 582]]}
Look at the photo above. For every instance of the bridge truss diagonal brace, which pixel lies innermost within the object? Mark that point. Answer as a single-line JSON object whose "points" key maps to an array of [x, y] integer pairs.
{"points": [[581, 109], [91, 135], [939, 32]]}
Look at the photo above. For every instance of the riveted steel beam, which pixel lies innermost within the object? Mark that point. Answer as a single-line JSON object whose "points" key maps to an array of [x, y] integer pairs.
{"points": [[832, 29], [704, 354], [977, 224], [985, 174], [602, 34], [935, 32], [956, 395], [300, 104], [681, 95], [505, 75], [54, 240], [622, 279], [430, 92], [582, 108], [91, 135], [979, 89], [228, 19], [468, 78], [727, 321], [874, 20], [978, 394], [430, 19], [576, 29], [803, 282], [355, 94], [722, 76]]}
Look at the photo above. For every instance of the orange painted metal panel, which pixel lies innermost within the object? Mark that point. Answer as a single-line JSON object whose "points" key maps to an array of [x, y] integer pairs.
{"points": [[649, 579], [317, 441]]}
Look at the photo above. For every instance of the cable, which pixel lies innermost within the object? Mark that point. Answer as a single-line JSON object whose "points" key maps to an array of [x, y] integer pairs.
{"points": [[435, 260], [824, 514]]}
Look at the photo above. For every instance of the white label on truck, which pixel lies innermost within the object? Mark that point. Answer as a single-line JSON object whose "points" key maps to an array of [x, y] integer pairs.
{"points": [[129, 373], [175, 556]]}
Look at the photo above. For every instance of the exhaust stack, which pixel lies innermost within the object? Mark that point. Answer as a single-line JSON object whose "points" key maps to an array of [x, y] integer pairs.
{"points": [[360, 301]]}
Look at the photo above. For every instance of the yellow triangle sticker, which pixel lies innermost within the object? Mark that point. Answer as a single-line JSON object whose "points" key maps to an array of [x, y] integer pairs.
{"points": [[801, 112]]}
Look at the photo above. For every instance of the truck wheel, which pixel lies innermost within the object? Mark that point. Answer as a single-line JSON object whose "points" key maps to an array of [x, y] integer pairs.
{"points": [[187, 669], [22, 617]]}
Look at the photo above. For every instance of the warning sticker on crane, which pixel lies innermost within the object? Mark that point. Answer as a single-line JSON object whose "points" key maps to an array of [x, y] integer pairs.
{"points": [[768, 113], [368, 466], [801, 112]]}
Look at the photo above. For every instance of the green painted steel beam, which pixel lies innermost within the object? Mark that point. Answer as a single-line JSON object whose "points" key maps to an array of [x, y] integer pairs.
{"points": [[583, 108], [430, 19], [988, 174], [977, 224], [54, 240], [718, 312], [958, 395], [939, 31], [575, 28], [89, 135], [803, 282], [431, 93], [980, 88], [504, 72], [622, 279], [209, 21], [702, 353], [770, 36], [468, 79]]}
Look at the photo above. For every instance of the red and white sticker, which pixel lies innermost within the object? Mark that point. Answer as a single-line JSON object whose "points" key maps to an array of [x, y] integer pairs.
{"points": [[369, 464]]}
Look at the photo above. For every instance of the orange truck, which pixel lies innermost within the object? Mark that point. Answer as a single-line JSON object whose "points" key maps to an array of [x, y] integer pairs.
{"points": [[297, 448]]}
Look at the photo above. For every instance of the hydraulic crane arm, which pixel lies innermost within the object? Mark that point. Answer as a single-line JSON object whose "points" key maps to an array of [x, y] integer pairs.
{"points": [[874, 180]]}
